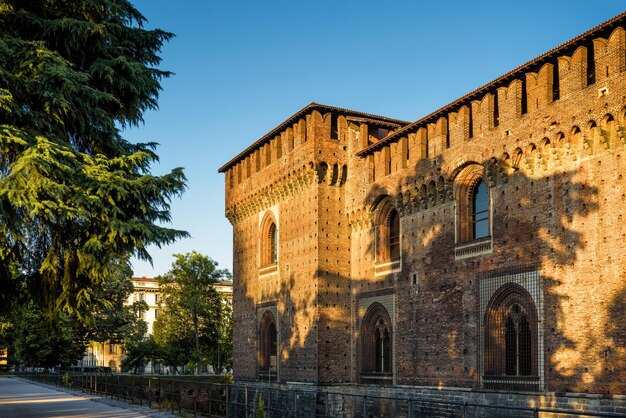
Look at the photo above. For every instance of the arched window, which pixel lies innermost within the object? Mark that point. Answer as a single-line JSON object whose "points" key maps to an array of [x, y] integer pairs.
{"points": [[472, 204], [376, 343], [269, 241], [268, 345], [387, 232], [273, 242], [510, 348], [480, 210], [394, 234]]}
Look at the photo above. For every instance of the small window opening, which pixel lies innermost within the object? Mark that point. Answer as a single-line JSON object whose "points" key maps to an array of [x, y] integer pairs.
{"points": [[496, 110], [556, 93], [524, 104], [591, 65], [333, 127], [394, 235], [471, 122]]}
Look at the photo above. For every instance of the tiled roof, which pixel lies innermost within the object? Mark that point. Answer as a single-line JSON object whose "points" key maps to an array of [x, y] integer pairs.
{"points": [[502, 80], [289, 121]]}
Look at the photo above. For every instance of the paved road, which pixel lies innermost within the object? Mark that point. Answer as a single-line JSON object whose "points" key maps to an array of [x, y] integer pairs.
{"points": [[22, 399]]}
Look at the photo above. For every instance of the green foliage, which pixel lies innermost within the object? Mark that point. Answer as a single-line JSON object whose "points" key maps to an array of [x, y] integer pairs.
{"points": [[194, 316], [41, 343], [76, 198], [139, 352], [114, 320]]}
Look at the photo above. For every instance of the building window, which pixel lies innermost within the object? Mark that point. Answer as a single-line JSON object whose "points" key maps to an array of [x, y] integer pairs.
{"points": [[387, 232], [156, 313], [156, 298], [268, 346], [141, 297], [272, 239], [510, 340], [376, 345], [472, 204], [112, 348], [394, 235], [473, 221], [480, 210], [269, 241]]}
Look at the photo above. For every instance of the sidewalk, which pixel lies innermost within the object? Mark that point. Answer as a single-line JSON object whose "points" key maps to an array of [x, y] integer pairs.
{"points": [[22, 398]]}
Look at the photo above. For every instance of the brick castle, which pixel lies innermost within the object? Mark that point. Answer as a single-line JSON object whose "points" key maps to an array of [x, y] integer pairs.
{"points": [[481, 246]]}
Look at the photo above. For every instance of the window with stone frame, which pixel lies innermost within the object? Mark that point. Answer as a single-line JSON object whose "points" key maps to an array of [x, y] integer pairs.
{"points": [[268, 241], [472, 204], [376, 345], [510, 340], [387, 232], [268, 345]]}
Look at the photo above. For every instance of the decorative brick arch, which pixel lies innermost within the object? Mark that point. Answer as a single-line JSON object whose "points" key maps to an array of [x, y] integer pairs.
{"points": [[458, 159], [376, 344]]}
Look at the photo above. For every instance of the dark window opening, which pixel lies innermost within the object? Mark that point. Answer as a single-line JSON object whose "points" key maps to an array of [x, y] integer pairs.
{"points": [[273, 241], [394, 235], [496, 110], [376, 349], [471, 122], [524, 104], [333, 127], [268, 345], [591, 65], [556, 94], [480, 210]]}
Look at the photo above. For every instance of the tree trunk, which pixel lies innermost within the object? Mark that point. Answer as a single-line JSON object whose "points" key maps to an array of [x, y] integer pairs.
{"points": [[195, 329]]}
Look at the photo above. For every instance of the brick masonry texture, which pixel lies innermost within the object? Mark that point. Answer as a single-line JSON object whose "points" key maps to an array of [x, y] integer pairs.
{"points": [[547, 139]]}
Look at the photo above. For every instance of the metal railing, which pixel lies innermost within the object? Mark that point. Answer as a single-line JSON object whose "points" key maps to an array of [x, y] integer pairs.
{"points": [[209, 399]]}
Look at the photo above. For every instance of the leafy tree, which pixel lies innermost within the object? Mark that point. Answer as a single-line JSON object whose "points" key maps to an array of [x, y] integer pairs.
{"points": [[173, 333], [76, 198], [114, 319], [219, 348], [41, 343], [139, 352], [191, 308]]}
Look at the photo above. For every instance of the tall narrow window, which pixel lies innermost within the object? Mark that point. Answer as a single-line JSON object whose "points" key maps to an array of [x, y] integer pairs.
{"points": [[496, 110], [591, 65], [273, 241], [394, 235], [334, 134], [387, 232], [472, 204], [524, 103], [480, 211], [556, 84], [471, 122], [268, 241], [268, 346]]}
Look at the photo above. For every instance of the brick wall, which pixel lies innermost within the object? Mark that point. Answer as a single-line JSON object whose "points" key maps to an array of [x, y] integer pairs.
{"points": [[546, 141]]}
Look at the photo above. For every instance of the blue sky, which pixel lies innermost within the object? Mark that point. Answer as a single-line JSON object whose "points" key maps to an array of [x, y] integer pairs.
{"points": [[242, 67]]}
